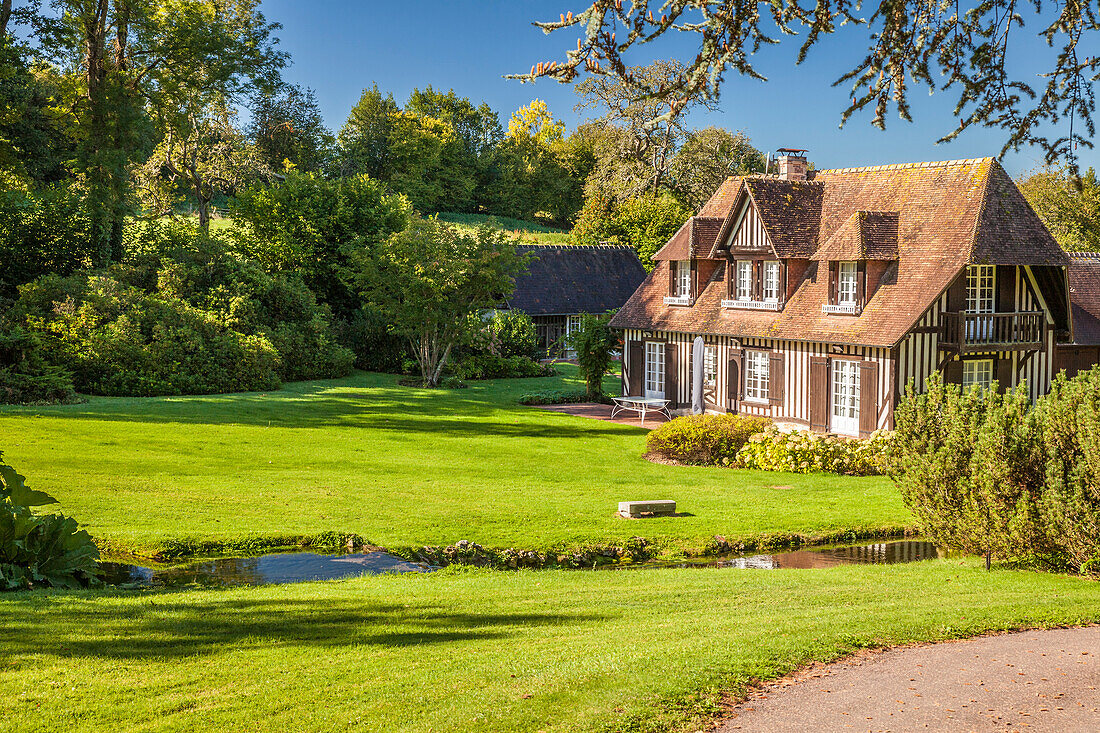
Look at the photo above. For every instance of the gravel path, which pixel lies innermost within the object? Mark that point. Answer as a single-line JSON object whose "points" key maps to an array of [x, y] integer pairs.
{"points": [[1024, 681]]}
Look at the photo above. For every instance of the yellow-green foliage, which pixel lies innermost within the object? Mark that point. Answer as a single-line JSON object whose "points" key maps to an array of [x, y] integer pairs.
{"points": [[801, 452], [704, 439]]}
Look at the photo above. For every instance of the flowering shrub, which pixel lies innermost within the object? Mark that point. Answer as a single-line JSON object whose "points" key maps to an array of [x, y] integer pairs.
{"points": [[801, 452], [704, 439]]}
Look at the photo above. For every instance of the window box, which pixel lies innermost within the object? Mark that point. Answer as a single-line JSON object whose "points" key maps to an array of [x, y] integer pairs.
{"points": [[677, 300], [755, 305], [844, 309]]}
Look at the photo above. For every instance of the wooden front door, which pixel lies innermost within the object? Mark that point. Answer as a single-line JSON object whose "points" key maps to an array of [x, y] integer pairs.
{"points": [[733, 381]]}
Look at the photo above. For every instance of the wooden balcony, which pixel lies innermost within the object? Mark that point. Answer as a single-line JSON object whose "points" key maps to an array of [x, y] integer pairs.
{"points": [[970, 332]]}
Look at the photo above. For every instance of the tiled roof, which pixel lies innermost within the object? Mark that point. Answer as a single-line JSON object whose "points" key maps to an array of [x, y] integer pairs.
{"points": [[1084, 293], [948, 214], [694, 238], [867, 235], [565, 279]]}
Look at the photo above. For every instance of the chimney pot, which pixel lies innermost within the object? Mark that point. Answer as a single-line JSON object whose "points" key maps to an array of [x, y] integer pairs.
{"points": [[792, 164]]}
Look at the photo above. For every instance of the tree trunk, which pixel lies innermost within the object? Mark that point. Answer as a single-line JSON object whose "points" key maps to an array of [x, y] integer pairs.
{"points": [[204, 211], [988, 558], [5, 16]]}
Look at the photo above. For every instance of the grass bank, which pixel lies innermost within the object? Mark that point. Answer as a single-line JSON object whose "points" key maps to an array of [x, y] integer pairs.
{"points": [[401, 467], [529, 230], [645, 650]]}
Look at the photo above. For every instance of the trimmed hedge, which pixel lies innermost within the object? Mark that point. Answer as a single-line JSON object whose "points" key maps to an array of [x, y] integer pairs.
{"points": [[490, 366], [557, 397], [704, 440]]}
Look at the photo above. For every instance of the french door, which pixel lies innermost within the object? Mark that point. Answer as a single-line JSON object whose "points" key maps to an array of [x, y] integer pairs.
{"points": [[654, 369], [845, 397]]}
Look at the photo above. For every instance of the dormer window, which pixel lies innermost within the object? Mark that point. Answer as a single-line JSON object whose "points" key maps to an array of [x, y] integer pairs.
{"points": [[683, 279], [846, 283], [680, 277], [771, 282], [756, 285], [847, 287], [744, 280]]}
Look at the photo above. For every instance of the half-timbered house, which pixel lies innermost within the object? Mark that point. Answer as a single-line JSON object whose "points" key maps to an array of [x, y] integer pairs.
{"points": [[820, 295]]}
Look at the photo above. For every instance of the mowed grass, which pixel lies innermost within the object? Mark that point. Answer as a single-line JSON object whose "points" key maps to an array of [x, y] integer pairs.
{"points": [[402, 467], [529, 231], [481, 651]]}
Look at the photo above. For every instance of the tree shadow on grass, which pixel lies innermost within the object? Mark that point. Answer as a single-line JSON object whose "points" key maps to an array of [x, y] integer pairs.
{"points": [[373, 402], [165, 627]]}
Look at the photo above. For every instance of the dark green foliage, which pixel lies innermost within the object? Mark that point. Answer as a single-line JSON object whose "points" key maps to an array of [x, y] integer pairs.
{"points": [[557, 397], [39, 549], [376, 348], [1070, 416], [287, 127], [25, 376], [491, 366], [704, 439], [41, 232], [504, 334], [183, 316], [309, 225], [593, 343]]}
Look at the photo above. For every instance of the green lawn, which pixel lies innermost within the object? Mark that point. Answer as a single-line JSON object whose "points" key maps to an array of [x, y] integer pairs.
{"points": [[402, 467], [628, 650], [530, 231]]}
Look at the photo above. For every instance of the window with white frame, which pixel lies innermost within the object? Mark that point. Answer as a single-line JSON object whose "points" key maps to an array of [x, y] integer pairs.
{"points": [[744, 280], [756, 375], [980, 288], [654, 369], [979, 372], [846, 283], [771, 282], [683, 279], [710, 366], [573, 324]]}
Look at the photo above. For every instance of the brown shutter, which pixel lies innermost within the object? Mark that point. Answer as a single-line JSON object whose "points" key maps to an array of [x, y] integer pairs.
{"points": [[731, 271], [819, 393], [953, 372], [1006, 288], [672, 265], [634, 368], [1002, 371], [775, 378], [757, 274], [956, 294], [694, 279], [861, 284], [734, 379], [833, 277], [782, 281], [671, 381], [868, 398]]}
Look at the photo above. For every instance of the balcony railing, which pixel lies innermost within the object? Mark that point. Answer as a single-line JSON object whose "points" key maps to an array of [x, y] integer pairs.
{"points": [[677, 300], [843, 309], [752, 305], [969, 332]]}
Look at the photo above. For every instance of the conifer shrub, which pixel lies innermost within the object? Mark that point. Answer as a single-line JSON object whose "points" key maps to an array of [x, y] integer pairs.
{"points": [[705, 440], [25, 376]]}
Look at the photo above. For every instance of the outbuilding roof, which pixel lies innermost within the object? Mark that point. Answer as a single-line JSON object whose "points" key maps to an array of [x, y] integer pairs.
{"points": [[940, 217], [567, 279], [1084, 294]]}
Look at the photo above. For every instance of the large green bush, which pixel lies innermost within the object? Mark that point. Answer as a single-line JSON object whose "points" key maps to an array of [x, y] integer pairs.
{"points": [[39, 549], [1070, 417], [25, 375], [802, 452], [703, 439], [987, 473], [183, 315], [645, 223]]}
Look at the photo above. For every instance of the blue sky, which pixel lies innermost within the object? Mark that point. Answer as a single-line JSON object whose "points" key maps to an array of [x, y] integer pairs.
{"points": [[338, 47]]}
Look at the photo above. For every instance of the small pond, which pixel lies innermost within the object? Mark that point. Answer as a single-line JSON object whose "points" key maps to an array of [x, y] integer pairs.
{"points": [[288, 567], [299, 567]]}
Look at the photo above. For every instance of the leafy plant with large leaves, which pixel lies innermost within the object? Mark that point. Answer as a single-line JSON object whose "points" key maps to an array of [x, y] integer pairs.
{"points": [[39, 549]]}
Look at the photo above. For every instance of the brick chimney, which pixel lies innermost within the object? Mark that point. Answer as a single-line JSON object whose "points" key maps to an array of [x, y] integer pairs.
{"points": [[792, 164]]}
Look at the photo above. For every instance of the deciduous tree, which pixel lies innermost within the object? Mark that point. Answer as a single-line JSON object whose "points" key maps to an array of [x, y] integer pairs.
{"points": [[1069, 206]]}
